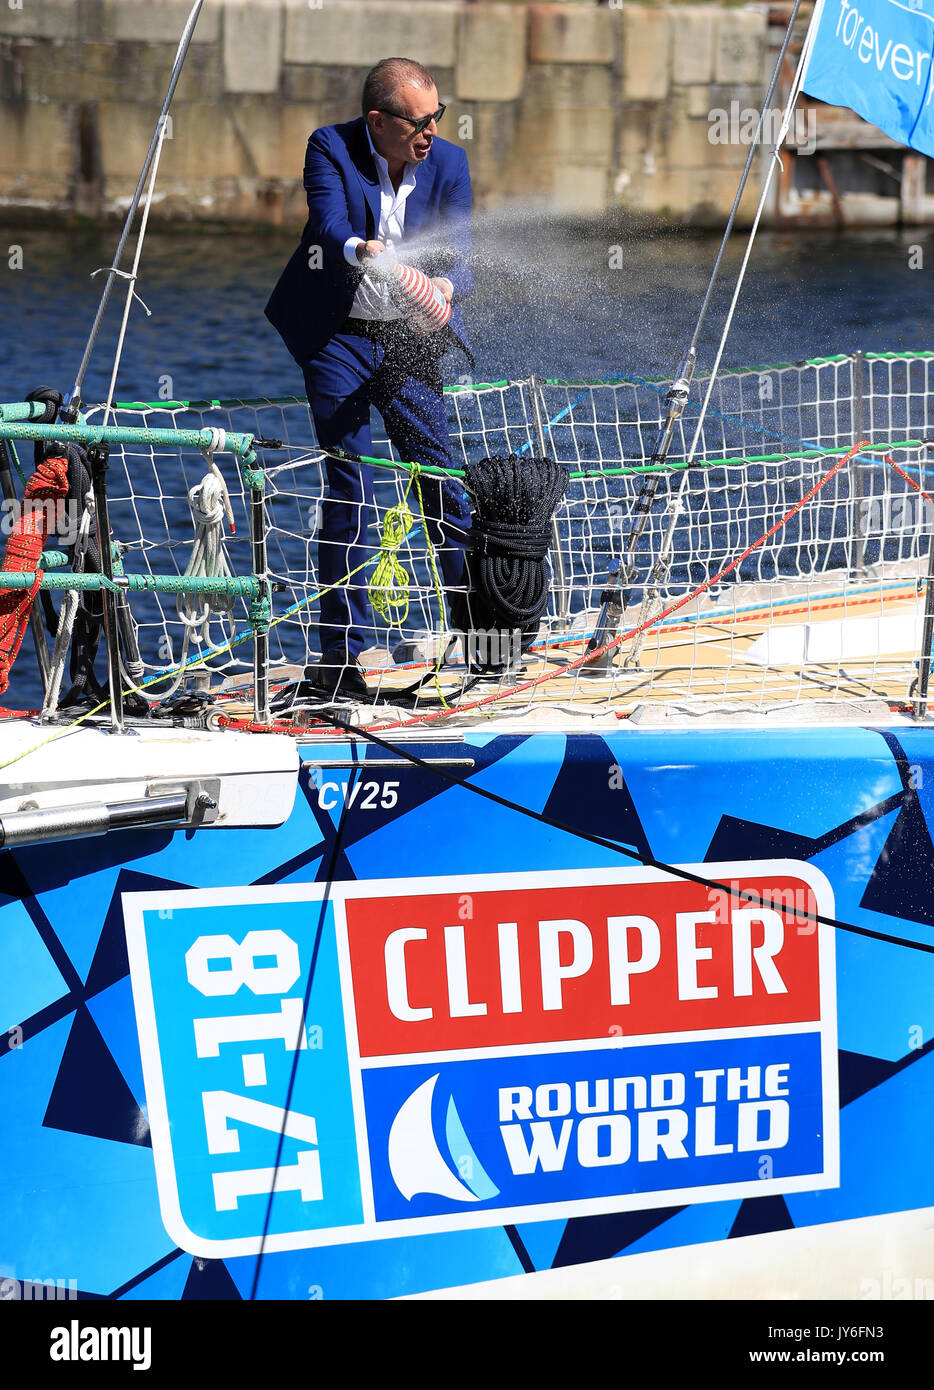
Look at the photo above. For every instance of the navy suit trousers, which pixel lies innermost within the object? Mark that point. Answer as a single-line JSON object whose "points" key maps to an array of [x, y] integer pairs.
{"points": [[401, 377]]}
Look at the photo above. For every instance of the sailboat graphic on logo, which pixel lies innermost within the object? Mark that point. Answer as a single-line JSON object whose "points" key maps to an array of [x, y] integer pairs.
{"points": [[416, 1161]]}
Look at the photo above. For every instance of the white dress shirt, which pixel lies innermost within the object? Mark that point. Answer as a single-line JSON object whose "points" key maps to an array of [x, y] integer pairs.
{"points": [[372, 300]]}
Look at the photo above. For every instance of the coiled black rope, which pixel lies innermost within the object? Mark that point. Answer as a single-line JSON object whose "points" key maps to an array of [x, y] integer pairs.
{"points": [[514, 504], [52, 400], [89, 616]]}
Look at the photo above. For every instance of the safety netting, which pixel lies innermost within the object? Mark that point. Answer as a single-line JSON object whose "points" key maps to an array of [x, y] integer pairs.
{"points": [[755, 490]]}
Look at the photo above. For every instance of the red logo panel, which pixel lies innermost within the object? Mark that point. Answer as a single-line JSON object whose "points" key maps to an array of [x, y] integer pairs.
{"points": [[495, 967]]}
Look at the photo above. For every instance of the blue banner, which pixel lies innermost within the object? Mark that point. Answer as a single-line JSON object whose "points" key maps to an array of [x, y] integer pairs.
{"points": [[725, 1117], [877, 58]]}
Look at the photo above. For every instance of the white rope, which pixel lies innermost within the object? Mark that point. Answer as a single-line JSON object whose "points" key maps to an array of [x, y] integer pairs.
{"points": [[210, 504], [69, 609], [209, 501], [218, 445]]}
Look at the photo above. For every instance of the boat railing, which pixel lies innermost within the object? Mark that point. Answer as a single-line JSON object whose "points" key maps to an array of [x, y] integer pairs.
{"points": [[780, 516]]}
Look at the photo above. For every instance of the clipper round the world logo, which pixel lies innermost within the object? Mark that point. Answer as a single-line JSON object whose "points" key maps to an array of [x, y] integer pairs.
{"points": [[423, 1055]]}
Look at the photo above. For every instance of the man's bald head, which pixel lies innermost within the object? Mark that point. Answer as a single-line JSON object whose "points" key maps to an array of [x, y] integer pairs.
{"points": [[383, 82], [400, 105]]}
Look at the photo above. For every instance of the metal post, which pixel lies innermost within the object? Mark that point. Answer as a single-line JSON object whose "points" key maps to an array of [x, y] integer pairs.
{"points": [[261, 710], [538, 429], [927, 639], [98, 455], [36, 625], [858, 517]]}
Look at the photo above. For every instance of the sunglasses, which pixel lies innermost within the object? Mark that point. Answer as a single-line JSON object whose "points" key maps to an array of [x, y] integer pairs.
{"points": [[419, 125]]}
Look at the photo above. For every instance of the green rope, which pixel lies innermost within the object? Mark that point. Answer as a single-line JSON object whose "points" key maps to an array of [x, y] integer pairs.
{"points": [[260, 613], [136, 583], [53, 559], [672, 466], [459, 388], [16, 463], [254, 479]]}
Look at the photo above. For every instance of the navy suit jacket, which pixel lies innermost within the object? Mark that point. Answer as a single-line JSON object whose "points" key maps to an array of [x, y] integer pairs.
{"points": [[308, 305]]}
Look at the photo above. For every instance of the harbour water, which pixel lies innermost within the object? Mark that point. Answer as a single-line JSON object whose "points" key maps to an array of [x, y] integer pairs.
{"points": [[566, 300]]}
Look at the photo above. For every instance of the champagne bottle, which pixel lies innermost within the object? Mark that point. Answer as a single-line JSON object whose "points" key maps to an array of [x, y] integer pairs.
{"points": [[423, 305]]}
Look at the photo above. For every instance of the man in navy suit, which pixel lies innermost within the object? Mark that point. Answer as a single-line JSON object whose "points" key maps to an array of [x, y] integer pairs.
{"points": [[375, 184]]}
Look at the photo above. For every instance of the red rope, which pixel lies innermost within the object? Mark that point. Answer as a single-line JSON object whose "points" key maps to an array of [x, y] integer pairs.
{"points": [[27, 540], [910, 481]]}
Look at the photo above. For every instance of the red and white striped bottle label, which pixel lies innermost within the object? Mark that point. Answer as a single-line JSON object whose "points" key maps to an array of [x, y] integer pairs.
{"points": [[427, 309]]}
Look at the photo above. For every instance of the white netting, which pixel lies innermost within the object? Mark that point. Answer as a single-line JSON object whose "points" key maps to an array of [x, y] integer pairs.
{"points": [[863, 538]]}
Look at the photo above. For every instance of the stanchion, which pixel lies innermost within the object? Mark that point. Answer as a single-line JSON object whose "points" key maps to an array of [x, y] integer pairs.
{"points": [[927, 639], [98, 455]]}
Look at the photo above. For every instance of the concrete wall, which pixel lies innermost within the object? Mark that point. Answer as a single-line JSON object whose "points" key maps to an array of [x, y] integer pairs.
{"points": [[586, 106]]}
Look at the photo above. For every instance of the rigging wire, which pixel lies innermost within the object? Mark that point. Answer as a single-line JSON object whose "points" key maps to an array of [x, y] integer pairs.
{"points": [[676, 505], [296, 1056], [133, 276], [158, 136]]}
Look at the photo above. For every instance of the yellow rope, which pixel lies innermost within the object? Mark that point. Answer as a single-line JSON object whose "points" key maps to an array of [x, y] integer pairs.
{"points": [[388, 586]]}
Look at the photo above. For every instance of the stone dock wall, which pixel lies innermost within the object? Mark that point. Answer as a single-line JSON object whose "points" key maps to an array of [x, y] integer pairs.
{"points": [[584, 106]]}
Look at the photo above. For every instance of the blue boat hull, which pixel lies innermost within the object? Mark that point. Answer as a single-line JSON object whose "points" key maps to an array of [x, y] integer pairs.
{"points": [[495, 1075]]}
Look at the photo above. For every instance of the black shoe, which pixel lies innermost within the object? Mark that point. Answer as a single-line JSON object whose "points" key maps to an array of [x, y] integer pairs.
{"points": [[331, 678], [499, 675]]}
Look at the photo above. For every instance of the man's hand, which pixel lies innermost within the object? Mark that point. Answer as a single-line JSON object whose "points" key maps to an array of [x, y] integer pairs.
{"points": [[368, 250], [445, 286]]}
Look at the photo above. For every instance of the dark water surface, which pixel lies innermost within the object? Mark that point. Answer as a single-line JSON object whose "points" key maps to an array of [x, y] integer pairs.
{"points": [[547, 301]]}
